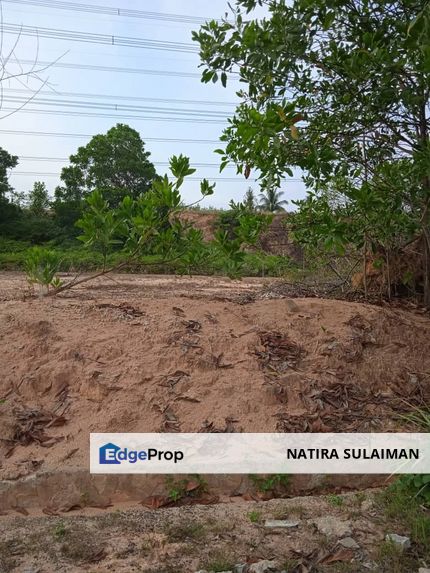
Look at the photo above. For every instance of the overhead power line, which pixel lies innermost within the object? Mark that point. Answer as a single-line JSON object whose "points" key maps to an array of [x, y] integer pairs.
{"points": [[116, 116], [115, 69], [91, 38], [120, 97], [57, 102], [112, 11], [51, 174], [86, 135], [158, 163]]}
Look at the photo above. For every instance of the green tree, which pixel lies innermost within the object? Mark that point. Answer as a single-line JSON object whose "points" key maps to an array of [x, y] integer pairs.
{"points": [[270, 200], [115, 163], [38, 199], [7, 209], [137, 222], [339, 89], [250, 200]]}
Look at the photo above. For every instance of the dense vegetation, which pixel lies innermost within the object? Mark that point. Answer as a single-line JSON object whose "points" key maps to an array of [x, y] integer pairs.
{"points": [[111, 167], [339, 89]]}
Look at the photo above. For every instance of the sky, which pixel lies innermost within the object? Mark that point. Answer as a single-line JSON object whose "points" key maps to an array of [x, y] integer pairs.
{"points": [[202, 117]]}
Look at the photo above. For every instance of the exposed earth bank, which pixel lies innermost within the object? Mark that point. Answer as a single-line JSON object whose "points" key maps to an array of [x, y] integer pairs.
{"points": [[147, 354]]}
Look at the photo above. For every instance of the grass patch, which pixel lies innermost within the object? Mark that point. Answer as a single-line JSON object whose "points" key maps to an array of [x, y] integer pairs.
{"points": [[335, 500], [185, 532], [419, 417], [406, 515], [390, 558], [277, 484], [60, 531], [255, 516], [219, 561]]}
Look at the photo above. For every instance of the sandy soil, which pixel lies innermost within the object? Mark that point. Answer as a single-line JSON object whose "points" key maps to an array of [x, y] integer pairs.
{"points": [[145, 353], [214, 537], [157, 353]]}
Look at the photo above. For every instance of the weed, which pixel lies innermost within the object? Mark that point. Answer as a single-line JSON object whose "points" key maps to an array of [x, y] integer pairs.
{"points": [[419, 417], [276, 483], [335, 500], [217, 527], [178, 489], [255, 516], [390, 558], [60, 530], [359, 497], [404, 509], [287, 511], [219, 561], [185, 531]]}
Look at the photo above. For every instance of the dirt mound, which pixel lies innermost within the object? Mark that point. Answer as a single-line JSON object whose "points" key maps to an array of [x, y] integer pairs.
{"points": [[121, 360], [274, 241]]}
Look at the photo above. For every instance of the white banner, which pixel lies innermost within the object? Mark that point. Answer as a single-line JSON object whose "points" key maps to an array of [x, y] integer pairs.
{"points": [[231, 453]]}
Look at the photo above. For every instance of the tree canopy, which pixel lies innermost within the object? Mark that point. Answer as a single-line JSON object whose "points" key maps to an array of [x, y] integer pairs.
{"points": [[114, 163], [7, 161], [339, 89], [271, 200]]}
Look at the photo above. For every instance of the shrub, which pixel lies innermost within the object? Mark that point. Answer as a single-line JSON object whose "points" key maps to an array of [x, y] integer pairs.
{"points": [[41, 266]]}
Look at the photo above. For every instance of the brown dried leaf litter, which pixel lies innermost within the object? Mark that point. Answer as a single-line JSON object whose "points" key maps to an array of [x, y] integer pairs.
{"points": [[189, 365]]}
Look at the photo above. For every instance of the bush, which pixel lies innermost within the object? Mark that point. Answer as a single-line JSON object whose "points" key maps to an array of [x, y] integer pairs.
{"points": [[41, 266]]}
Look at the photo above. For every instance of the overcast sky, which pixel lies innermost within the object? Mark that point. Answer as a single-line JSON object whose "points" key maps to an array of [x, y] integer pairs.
{"points": [[96, 85]]}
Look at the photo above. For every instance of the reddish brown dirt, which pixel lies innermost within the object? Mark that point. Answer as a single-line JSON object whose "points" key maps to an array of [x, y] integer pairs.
{"points": [[148, 353], [274, 241]]}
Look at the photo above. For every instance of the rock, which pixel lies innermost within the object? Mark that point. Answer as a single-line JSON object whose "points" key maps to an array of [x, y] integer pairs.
{"points": [[349, 543], [423, 570], [330, 525], [264, 566], [400, 540], [281, 523], [240, 568]]}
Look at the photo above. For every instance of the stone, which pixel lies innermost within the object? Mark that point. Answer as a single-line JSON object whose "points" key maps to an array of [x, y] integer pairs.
{"points": [[349, 543], [240, 568], [264, 566], [330, 525], [400, 540], [281, 523], [423, 570]]}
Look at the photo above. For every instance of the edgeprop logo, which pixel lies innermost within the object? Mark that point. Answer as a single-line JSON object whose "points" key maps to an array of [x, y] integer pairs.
{"points": [[112, 454]]}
